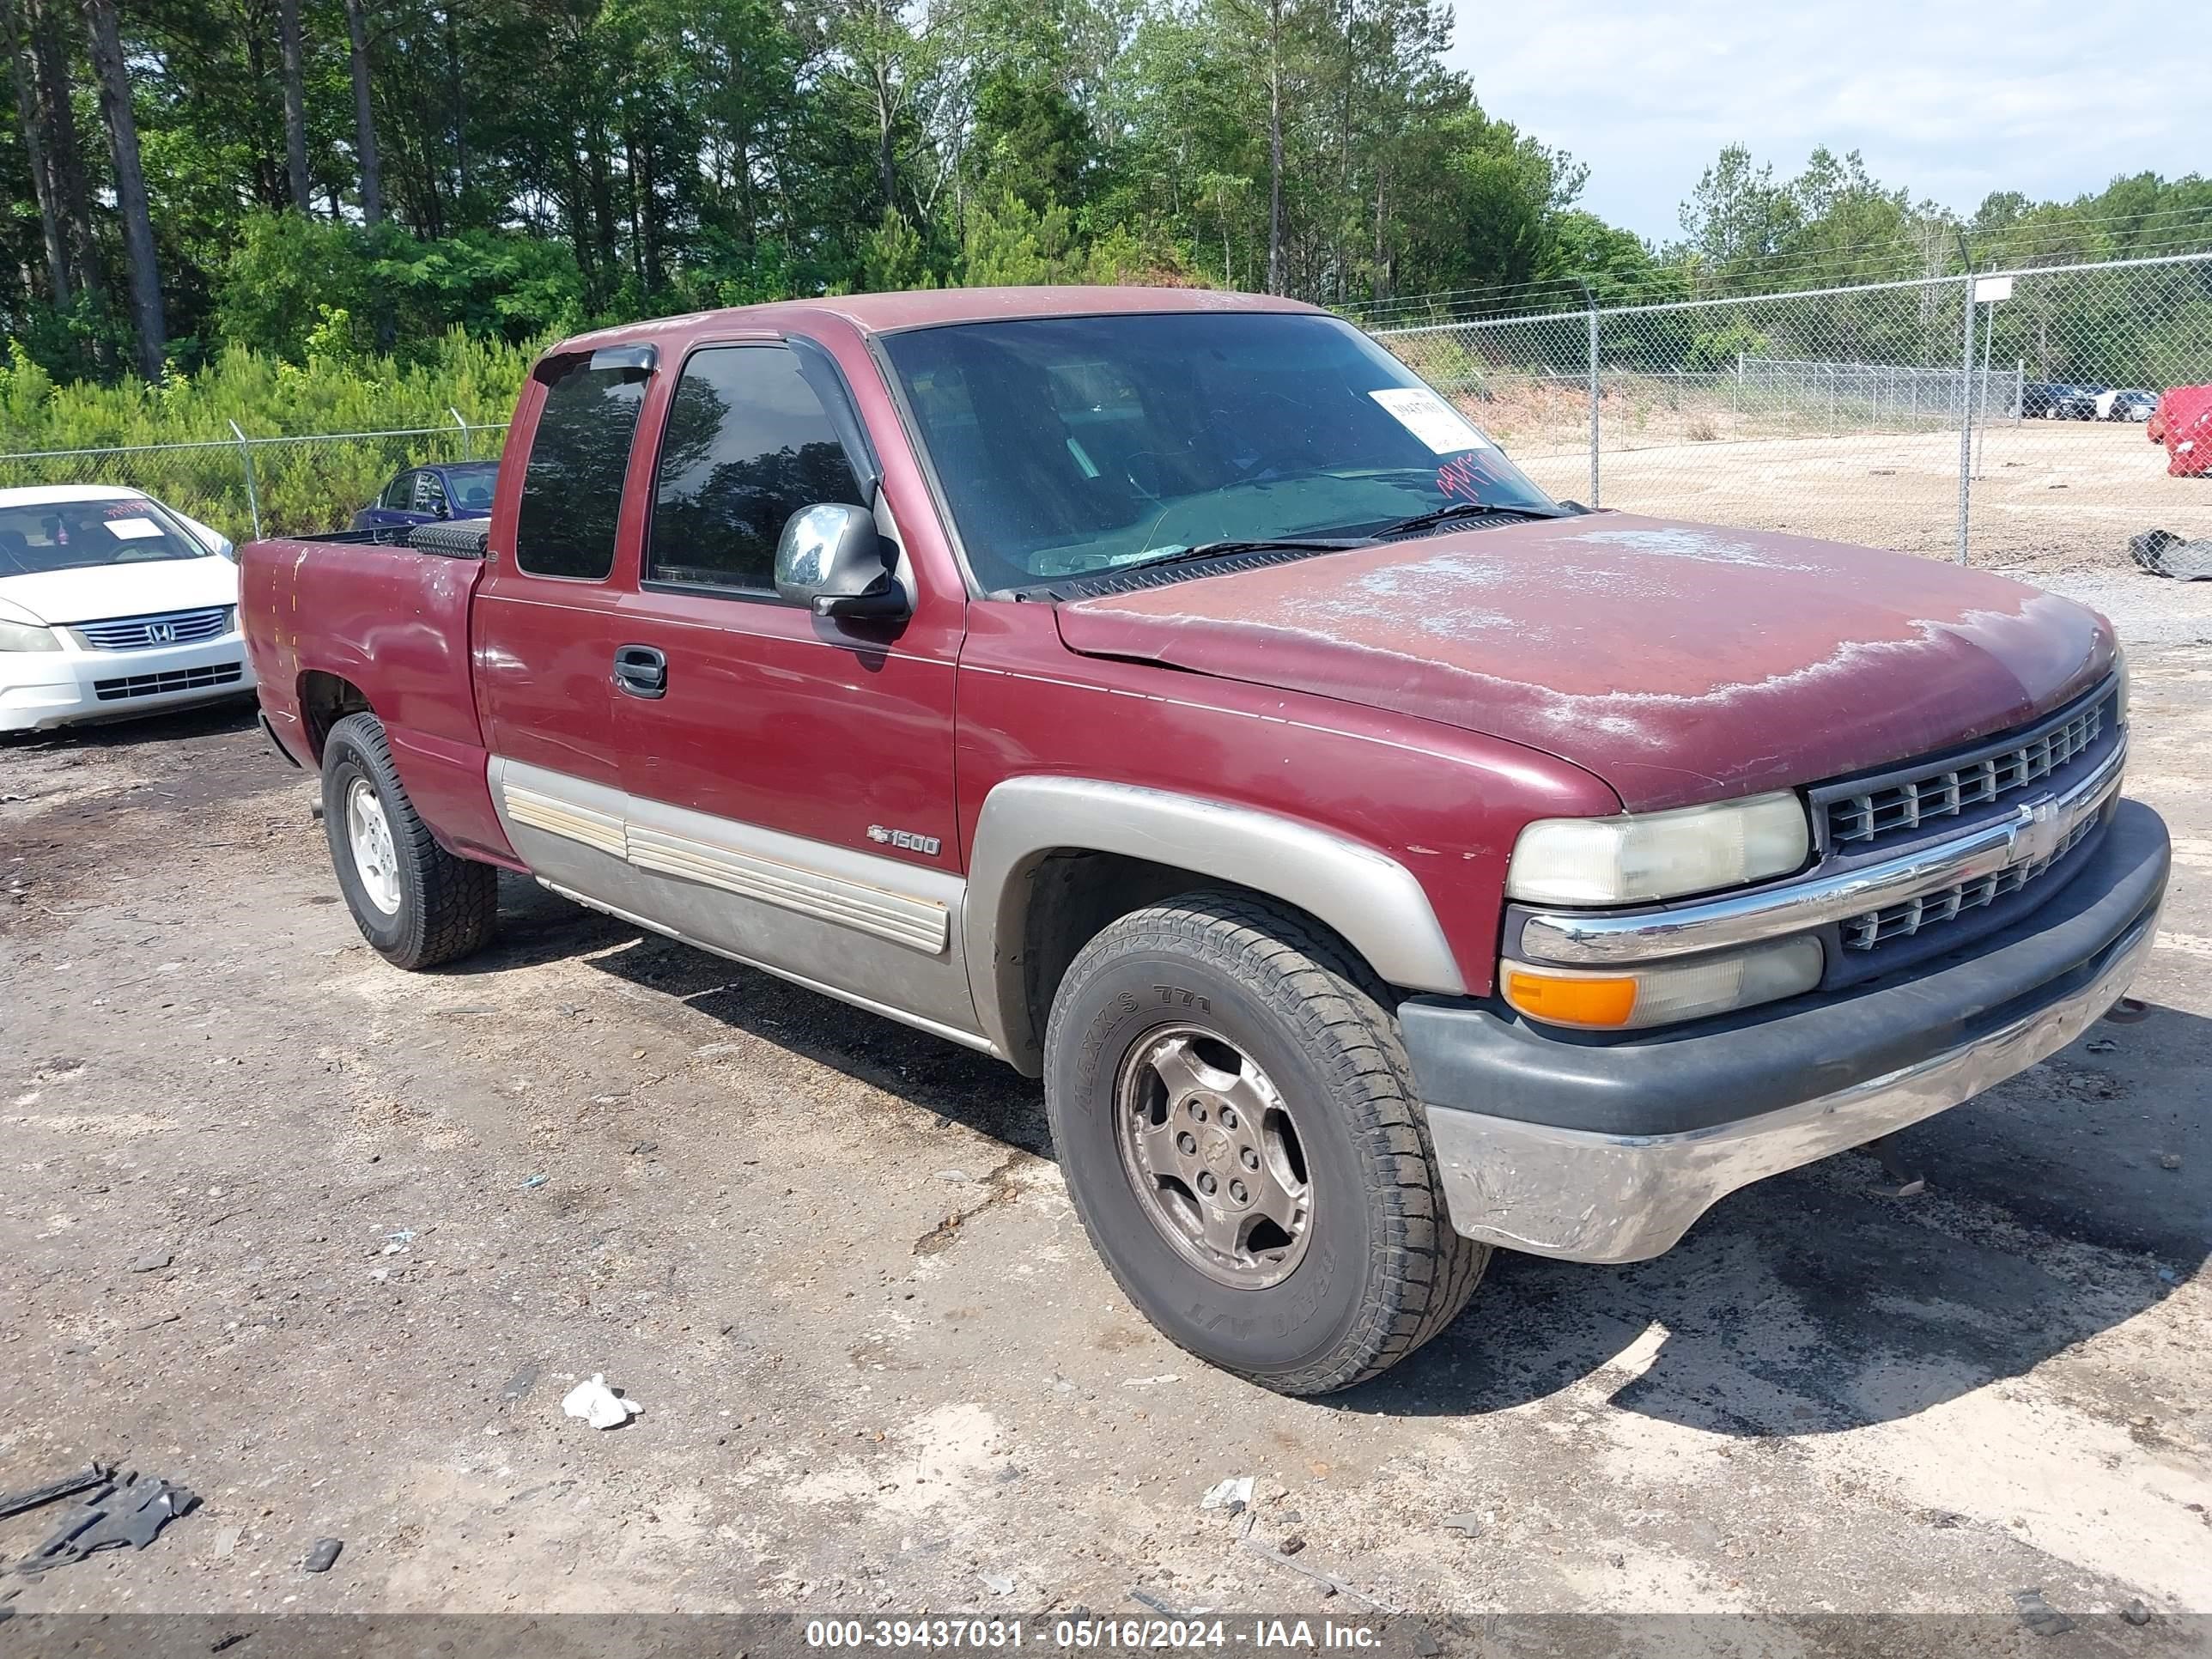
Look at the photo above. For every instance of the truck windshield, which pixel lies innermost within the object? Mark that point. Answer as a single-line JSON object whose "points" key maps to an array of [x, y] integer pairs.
{"points": [[1071, 445], [72, 535]]}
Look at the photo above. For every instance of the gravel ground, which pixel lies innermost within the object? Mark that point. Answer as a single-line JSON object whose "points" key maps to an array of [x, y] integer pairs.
{"points": [[2049, 494], [327, 1244]]}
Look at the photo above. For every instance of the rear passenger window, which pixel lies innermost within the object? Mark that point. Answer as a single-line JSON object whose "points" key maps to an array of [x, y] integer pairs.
{"points": [[747, 445], [572, 490]]}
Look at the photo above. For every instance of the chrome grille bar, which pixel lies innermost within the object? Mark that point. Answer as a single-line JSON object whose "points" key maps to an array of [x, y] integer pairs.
{"points": [[161, 629], [1903, 920], [1741, 918]]}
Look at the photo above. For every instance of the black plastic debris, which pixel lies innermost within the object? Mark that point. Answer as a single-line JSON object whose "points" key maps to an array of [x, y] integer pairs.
{"points": [[32, 1497], [2165, 554], [323, 1556], [126, 1511]]}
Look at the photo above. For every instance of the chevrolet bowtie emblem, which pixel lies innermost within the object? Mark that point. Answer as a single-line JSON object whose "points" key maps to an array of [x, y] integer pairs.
{"points": [[2035, 837]]}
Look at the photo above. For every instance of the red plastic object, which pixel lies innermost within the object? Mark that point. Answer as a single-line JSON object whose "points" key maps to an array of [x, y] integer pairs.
{"points": [[2184, 423]]}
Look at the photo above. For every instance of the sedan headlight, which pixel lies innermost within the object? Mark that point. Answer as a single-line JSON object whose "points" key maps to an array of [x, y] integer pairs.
{"points": [[1641, 856], [1666, 992], [24, 637]]}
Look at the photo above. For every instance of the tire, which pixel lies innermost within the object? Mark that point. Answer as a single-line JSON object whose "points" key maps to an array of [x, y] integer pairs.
{"points": [[1191, 987], [414, 902]]}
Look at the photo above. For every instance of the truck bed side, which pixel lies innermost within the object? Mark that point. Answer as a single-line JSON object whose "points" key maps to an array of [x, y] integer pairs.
{"points": [[334, 626]]}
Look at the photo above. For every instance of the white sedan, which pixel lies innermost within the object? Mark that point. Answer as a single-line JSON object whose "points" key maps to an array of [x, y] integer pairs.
{"points": [[110, 605]]}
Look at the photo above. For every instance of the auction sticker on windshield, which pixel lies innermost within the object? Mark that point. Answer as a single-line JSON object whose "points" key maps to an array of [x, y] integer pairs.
{"points": [[1429, 418], [132, 530]]}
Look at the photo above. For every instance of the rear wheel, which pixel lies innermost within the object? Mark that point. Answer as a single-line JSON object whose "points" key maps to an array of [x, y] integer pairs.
{"points": [[417, 904], [1234, 1118]]}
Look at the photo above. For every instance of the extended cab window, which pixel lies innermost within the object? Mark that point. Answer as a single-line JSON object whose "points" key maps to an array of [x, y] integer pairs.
{"points": [[572, 491], [747, 446]]}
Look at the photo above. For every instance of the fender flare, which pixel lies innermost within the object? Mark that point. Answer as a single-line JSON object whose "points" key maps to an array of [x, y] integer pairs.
{"points": [[1368, 897]]}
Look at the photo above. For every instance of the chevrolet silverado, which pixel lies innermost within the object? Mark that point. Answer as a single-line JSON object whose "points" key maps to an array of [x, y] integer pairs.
{"points": [[1379, 861]]}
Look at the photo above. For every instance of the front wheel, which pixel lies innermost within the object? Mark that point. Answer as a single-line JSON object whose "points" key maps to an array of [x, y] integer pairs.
{"points": [[414, 902], [1234, 1118]]}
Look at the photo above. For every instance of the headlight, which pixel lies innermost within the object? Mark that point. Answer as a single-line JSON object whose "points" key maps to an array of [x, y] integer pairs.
{"points": [[1656, 856], [23, 636], [1664, 993], [2120, 669]]}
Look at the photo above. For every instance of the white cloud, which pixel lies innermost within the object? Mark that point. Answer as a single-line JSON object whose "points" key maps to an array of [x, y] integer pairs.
{"points": [[1950, 100]]}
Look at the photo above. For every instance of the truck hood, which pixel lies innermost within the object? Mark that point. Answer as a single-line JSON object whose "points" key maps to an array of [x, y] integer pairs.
{"points": [[1678, 662], [122, 590]]}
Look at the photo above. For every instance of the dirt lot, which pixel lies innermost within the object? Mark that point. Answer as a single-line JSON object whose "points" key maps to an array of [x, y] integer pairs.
{"points": [[274, 1226], [2051, 495]]}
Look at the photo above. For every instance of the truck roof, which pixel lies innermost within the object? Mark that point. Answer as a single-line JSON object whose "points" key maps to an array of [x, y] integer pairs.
{"points": [[883, 313]]}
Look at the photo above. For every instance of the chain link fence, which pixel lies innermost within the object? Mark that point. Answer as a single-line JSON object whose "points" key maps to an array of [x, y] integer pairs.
{"points": [[254, 486], [1998, 416]]}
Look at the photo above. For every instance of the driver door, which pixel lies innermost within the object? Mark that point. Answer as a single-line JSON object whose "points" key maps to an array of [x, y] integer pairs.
{"points": [[771, 756]]}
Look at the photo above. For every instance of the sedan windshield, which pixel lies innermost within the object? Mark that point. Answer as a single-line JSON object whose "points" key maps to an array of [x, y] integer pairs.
{"points": [[472, 486], [1071, 445], [73, 535]]}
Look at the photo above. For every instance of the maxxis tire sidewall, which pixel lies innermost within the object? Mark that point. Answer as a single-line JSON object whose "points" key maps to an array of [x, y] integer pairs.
{"points": [[343, 761], [1283, 1329]]}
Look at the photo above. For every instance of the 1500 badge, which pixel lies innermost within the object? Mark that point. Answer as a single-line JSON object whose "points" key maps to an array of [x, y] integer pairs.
{"points": [[905, 839]]}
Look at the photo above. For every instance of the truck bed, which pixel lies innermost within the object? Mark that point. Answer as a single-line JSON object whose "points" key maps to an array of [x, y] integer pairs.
{"points": [[378, 618], [465, 539]]}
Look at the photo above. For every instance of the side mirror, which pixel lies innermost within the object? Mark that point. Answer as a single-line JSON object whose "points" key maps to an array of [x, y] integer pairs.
{"points": [[830, 559]]}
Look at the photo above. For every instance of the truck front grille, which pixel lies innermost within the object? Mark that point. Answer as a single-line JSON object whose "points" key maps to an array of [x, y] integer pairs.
{"points": [[167, 628], [179, 679], [1932, 909], [1900, 806]]}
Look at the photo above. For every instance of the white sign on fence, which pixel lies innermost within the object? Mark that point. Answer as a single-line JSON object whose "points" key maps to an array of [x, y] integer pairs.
{"points": [[1988, 290]]}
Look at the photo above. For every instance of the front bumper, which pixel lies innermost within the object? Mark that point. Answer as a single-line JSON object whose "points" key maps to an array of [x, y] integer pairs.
{"points": [[1608, 1151], [43, 689]]}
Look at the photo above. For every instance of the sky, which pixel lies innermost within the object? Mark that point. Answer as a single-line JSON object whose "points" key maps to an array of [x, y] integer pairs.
{"points": [[1948, 99]]}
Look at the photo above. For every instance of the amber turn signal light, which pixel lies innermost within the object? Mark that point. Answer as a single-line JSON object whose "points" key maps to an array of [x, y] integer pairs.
{"points": [[1594, 1003]]}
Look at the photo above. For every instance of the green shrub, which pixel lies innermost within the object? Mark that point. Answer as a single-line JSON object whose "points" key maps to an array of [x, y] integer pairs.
{"points": [[299, 486]]}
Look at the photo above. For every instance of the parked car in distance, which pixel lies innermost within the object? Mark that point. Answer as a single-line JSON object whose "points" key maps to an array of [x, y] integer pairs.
{"points": [[428, 494], [2077, 403], [2126, 404], [1379, 861], [2039, 399], [112, 605]]}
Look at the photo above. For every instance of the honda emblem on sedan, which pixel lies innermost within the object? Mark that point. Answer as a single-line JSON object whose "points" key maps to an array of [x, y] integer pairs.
{"points": [[162, 633], [2035, 839]]}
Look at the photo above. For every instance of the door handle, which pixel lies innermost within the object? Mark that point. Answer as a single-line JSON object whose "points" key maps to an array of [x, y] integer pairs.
{"points": [[640, 670]]}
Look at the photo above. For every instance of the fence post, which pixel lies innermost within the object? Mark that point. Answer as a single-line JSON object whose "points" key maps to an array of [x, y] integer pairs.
{"points": [[2019, 391], [1592, 402], [1981, 414], [468, 442], [252, 496], [1739, 386], [1966, 406]]}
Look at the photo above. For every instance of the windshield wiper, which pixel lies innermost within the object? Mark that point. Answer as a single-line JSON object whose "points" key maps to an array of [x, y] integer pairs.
{"points": [[1451, 510], [1217, 549]]}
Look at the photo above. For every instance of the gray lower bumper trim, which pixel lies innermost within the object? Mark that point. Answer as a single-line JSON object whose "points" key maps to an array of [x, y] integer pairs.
{"points": [[1592, 1197]]}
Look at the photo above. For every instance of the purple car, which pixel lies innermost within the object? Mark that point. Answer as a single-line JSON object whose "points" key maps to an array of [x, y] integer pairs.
{"points": [[425, 495]]}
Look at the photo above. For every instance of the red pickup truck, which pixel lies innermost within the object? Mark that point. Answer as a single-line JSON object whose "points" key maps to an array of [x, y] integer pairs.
{"points": [[1378, 860]]}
